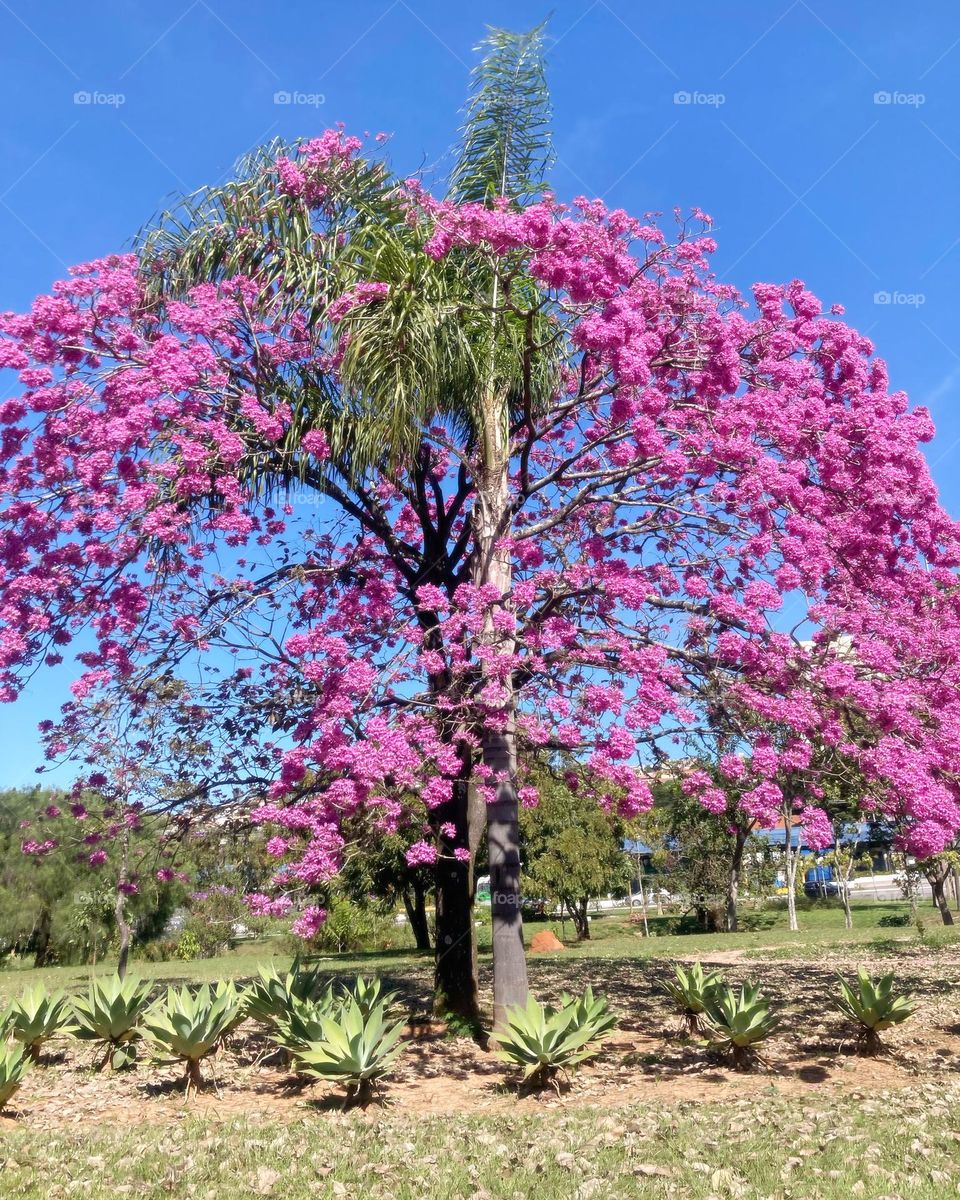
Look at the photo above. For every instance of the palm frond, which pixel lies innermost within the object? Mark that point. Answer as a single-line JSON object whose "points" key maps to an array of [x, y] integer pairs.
{"points": [[249, 226], [425, 351], [506, 146]]}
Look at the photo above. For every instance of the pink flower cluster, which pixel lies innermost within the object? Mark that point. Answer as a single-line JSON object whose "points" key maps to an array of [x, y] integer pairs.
{"points": [[309, 922]]}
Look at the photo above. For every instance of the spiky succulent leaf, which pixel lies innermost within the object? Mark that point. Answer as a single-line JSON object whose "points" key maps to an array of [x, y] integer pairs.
{"points": [[302, 1022], [692, 989], [368, 993], [355, 1049], [187, 1025], [270, 996], [872, 1003], [236, 996], [14, 1063], [36, 1017], [542, 1040], [112, 1009], [740, 1019]]}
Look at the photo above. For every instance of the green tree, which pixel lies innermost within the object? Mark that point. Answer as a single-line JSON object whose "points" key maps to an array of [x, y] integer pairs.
{"points": [[693, 849], [56, 905], [376, 872], [938, 869], [572, 850]]}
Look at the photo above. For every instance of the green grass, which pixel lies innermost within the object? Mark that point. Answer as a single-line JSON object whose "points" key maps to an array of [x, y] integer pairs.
{"points": [[613, 936], [867, 1146], [818, 1145], [876, 928]]}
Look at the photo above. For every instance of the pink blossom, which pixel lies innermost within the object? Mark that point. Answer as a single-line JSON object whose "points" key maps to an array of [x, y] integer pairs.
{"points": [[421, 854], [308, 924]]}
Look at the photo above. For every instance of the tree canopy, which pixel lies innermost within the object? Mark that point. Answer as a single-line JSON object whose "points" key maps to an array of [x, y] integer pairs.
{"points": [[710, 517]]}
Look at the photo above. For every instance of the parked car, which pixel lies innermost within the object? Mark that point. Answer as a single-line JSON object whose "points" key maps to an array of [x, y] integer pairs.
{"points": [[821, 883]]}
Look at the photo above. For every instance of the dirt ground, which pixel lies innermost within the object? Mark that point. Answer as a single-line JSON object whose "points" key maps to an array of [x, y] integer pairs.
{"points": [[644, 1059]]}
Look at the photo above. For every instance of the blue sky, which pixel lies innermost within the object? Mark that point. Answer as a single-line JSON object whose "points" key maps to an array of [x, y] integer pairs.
{"points": [[823, 138]]}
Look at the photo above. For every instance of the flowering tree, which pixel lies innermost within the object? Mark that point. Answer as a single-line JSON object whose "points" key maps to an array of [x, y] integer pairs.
{"points": [[660, 486]]}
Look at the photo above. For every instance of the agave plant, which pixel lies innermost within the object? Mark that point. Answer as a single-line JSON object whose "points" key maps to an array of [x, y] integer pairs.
{"points": [[302, 1022], [36, 1018], [234, 996], [692, 991], [368, 993], [187, 1026], [355, 1049], [14, 1062], [873, 1007], [111, 1013], [548, 1042], [270, 997], [739, 1021]]}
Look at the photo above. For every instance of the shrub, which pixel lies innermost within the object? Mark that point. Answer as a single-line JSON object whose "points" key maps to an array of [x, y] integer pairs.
{"points": [[546, 1043], [354, 1050], [188, 946], [36, 1018], [14, 1063], [691, 991], [188, 1025], [214, 918], [873, 1007], [111, 1014], [739, 1022], [351, 926], [895, 920]]}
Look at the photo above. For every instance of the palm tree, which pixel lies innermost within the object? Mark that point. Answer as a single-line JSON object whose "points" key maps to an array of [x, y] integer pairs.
{"points": [[444, 344]]}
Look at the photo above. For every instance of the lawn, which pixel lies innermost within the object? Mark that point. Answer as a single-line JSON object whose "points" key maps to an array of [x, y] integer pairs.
{"points": [[879, 927], [657, 1115], [868, 1146]]}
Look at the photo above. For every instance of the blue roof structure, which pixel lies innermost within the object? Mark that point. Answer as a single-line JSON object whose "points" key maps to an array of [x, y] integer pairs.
{"points": [[778, 837]]}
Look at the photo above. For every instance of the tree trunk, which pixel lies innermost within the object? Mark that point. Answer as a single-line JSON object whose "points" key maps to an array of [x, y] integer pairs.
{"points": [[911, 891], [847, 910], [938, 887], [578, 914], [123, 925], [791, 862], [643, 906], [120, 910], [455, 970], [845, 883], [492, 567], [41, 937], [503, 848], [414, 901], [733, 880]]}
